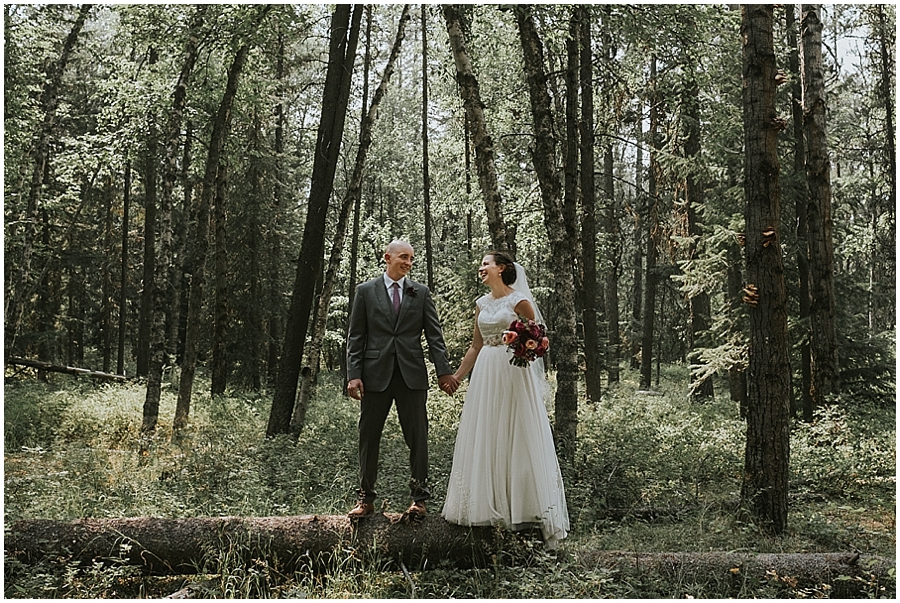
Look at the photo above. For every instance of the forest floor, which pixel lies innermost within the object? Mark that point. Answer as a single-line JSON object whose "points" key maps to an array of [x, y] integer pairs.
{"points": [[654, 473]]}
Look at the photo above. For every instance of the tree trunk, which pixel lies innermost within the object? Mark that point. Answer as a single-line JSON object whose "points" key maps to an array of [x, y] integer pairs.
{"points": [[637, 259], [823, 336], [123, 274], [545, 162], [699, 303], [219, 363], [357, 206], [426, 177], [107, 270], [252, 356], [75, 287], [189, 546], [342, 54], [148, 272], [308, 374], [571, 190], [157, 358], [764, 488], [582, 76], [25, 283], [849, 574], [801, 212], [275, 296], [212, 181], [885, 54], [176, 318], [611, 221], [648, 315], [501, 237], [182, 546]]}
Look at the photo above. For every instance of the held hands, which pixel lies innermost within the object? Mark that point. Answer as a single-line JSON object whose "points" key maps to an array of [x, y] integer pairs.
{"points": [[448, 383]]}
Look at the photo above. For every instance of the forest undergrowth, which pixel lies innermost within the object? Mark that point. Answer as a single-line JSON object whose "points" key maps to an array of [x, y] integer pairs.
{"points": [[654, 473]]}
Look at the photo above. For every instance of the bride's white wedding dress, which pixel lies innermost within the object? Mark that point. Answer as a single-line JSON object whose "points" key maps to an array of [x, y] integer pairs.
{"points": [[505, 469]]}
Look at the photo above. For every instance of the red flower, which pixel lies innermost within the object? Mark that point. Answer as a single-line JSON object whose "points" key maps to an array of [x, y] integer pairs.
{"points": [[527, 340]]}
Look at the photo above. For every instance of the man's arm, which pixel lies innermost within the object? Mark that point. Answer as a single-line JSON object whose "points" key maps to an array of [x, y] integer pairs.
{"points": [[357, 328], [437, 350]]}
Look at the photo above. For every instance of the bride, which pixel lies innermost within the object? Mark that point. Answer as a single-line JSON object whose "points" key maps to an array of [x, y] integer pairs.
{"points": [[505, 469]]}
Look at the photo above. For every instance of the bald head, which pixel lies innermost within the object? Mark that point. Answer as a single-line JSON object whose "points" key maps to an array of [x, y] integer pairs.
{"points": [[398, 259], [398, 245]]}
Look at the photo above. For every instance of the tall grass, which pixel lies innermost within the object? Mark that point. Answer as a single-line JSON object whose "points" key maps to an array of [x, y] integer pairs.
{"points": [[654, 473]]}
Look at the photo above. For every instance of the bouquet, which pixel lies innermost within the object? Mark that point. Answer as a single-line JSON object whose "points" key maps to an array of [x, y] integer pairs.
{"points": [[527, 340]]}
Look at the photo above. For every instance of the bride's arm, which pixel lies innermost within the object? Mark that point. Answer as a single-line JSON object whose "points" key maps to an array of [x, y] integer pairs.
{"points": [[468, 360], [525, 309]]}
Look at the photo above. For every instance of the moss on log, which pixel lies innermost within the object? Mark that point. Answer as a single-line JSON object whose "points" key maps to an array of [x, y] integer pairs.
{"points": [[186, 546], [845, 574], [314, 542]]}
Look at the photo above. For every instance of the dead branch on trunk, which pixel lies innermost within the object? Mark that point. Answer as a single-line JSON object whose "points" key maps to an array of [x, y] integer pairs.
{"points": [[69, 370]]}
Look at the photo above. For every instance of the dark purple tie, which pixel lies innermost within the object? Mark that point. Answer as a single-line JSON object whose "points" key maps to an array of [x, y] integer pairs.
{"points": [[395, 297]]}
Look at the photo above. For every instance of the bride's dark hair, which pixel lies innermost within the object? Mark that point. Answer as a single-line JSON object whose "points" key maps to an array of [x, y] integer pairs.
{"points": [[509, 267]]}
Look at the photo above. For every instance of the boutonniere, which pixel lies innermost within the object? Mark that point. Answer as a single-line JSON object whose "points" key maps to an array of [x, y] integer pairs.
{"points": [[411, 291]]}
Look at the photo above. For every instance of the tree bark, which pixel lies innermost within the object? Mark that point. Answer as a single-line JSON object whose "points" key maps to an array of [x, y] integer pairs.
{"points": [[801, 212], [611, 219], [219, 362], [342, 54], [148, 270], [426, 176], [885, 54], [545, 164], [849, 574], [823, 335], [764, 488], [275, 295], [582, 76], [123, 274], [351, 199], [357, 206], [501, 236], [190, 546], [183, 546], [69, 370], [211, 178], [637, 258], [253, 354], [648, 314]]}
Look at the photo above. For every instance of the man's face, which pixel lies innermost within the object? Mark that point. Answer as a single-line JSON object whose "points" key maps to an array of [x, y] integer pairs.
{"points": [[399, 259]]}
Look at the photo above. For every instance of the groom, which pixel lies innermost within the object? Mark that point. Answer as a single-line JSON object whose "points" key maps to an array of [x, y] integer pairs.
{"points": [[386, 364]]}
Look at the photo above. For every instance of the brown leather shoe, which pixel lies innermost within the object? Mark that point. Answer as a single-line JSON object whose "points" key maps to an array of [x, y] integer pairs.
{"points": [[361, 509], [417, 510]]}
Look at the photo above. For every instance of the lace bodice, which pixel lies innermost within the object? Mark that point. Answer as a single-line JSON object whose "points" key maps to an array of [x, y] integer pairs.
{"points": [[495, 314]]}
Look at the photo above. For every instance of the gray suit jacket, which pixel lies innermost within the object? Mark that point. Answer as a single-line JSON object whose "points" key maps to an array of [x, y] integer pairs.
{"points": [[378, 340]]}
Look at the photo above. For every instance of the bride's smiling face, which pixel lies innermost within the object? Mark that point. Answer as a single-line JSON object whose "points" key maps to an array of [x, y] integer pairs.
{"points": [[489, 271]]}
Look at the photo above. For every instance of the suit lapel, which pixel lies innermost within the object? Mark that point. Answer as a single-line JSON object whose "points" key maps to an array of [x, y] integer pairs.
{"points": [[407, 301]]}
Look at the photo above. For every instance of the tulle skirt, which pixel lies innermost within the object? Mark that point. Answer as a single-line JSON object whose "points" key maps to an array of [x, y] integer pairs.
{"points": [[505, 469]]}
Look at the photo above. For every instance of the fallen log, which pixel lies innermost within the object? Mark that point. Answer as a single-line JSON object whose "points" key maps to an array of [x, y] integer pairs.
{"points": [[842, 574], [195, 545], [69, 370], [188, 546]]}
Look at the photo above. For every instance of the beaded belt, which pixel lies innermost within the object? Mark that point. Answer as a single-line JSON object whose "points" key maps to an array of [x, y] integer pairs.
{"points": [[493, 340]]}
